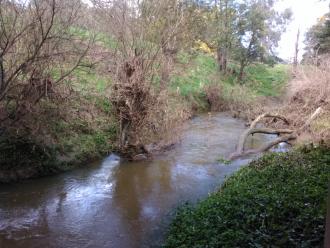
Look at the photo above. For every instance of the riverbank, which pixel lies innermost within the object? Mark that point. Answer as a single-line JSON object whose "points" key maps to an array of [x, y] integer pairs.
{"points": [[118, 203], [279, 199], [63, 135]]}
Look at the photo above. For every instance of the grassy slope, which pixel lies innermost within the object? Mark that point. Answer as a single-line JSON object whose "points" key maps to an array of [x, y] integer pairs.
{"points": [[267, 81], [90, 131], [278, 200], [195, 73]]}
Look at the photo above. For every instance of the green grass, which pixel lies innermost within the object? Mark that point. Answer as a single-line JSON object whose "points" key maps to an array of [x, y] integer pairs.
{"points": [[277, 201], [87, 80], [91, 131], [196, 76], [191, 80], [195, 72], [266, 80], [262, 79], [99, 38]]}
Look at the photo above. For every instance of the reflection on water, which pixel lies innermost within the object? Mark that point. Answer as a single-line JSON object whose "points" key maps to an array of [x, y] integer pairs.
{"points": [[120, 204]]}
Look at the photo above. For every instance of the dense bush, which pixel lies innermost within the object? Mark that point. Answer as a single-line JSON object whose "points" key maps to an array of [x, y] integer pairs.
{"points": [[277, 201], [22, 158]]}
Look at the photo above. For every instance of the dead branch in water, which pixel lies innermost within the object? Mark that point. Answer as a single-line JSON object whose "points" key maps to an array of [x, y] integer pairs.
{"points": [[252, 130], [263, 148], [288, 134]]}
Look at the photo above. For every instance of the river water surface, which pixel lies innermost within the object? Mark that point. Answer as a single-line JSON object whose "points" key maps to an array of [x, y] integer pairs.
{"points": [[120, 204]]}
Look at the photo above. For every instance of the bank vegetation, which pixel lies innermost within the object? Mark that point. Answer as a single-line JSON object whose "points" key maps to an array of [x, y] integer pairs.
{"points": [[79, 81]]}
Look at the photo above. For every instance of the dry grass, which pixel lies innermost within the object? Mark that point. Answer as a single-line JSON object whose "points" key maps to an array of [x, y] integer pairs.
{"points": [[214, 96], [164, 121], [241, 102], [308, 90]]}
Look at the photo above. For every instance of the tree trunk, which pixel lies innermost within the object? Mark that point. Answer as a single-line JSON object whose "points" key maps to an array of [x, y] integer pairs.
{"points": [[222, 59], [241, 72], [124, 126], [295, 59]]}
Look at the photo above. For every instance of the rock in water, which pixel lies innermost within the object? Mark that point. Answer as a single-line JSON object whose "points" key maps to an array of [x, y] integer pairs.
{"points": [[140, 157]]}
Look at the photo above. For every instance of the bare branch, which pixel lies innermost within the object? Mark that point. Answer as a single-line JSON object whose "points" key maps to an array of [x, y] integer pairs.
{"points": [[263, 148], [289, 134]]}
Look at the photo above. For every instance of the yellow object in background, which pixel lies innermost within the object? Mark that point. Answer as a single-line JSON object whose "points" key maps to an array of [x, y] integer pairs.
{"points": [[204, 47]]}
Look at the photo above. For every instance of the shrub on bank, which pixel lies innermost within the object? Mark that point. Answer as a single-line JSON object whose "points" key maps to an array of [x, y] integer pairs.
{"points": [[278, 200]]}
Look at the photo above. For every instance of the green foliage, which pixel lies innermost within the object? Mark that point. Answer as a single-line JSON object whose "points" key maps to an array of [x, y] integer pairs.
{"points": [[192, 81], [99, 38], [266, 80], [83, 34], [318, 37], [104, 104], [194, 78], [183, 58], [196, 72], [259, 28], [87, 80], [83, 139], [279, 199], [18, 152], [81, 142], [257, 34], [106, 41]]}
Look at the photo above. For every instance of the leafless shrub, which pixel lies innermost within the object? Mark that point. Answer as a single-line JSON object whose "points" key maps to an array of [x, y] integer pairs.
{"points": [[37, 53], [145, 33], [213, 94]]}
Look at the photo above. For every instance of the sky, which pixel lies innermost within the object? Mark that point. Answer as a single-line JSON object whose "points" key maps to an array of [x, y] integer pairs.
{"points": [[305, 15]]}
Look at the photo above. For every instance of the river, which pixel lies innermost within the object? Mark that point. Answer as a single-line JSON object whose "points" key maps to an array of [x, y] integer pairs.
{"points": [[113, 203]]}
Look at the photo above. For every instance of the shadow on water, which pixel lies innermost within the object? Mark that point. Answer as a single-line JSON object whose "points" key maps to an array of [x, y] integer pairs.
{"points": [[120, 204]]}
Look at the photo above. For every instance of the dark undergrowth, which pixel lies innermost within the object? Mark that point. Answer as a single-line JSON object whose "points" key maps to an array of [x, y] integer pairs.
{"points": [[277, 201], [22, 158]]}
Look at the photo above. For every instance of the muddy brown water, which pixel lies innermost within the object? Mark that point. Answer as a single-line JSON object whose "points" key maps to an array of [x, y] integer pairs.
{"points": [[121, 204]]}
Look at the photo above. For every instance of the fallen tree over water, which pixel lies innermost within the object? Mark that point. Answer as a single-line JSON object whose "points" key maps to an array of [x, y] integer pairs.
{"points": [[285, 135]]}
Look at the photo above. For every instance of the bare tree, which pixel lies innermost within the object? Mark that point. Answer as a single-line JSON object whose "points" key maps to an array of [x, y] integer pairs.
{"points": [[296, 52], [37, 52], [145, 33]]}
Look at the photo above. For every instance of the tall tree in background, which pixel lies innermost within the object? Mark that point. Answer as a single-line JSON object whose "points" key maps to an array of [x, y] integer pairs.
{"points": [[225, 20], [296, 51], [246, 31], [259, 29], [318, 39]]}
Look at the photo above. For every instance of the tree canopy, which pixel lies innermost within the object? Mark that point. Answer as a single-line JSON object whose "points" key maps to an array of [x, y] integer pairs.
{"points": [[318, 38]]}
